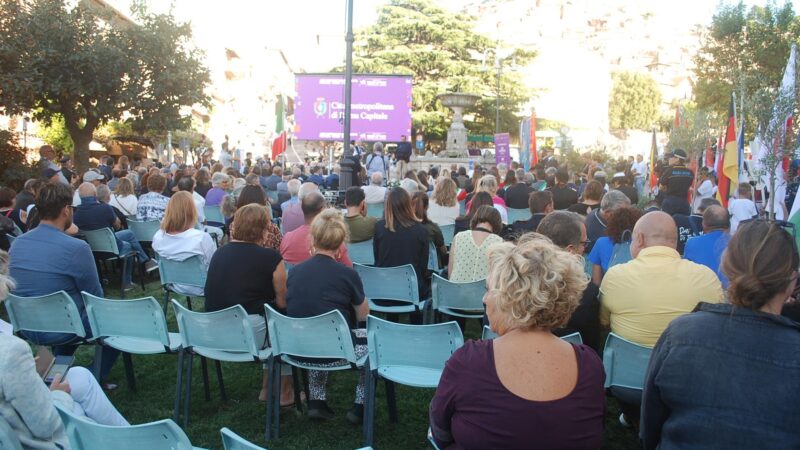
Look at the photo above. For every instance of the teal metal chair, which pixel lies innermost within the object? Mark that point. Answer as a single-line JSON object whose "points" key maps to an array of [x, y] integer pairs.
{"points": [[375, 210], [293, 340], [104, 246], [487, 333], [448, 231], [214, 215], [411, 355], [362, 253], [232, 441], [462, 207], [431, 440], [8, 439], [175, 274], [455, 299], [84, 434], [136, 327], [518, 214], [398, 284], [144, 231], [625, 363], [224, 335], [53, 313]]}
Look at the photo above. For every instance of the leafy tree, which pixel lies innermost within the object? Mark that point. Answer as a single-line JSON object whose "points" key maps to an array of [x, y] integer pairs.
{"points": [[444, 54], [634, 101], [744, 51], [14, 167], [91, 69], [55, 133]]}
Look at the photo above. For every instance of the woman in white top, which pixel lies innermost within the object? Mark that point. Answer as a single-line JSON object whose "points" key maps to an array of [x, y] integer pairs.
{"points": [[178, 240], [705, 189], [443, 208], [469, 250], [124, 198]]}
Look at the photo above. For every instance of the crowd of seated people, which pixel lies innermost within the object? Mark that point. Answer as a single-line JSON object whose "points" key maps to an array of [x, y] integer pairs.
{"points": [[717, 300]]}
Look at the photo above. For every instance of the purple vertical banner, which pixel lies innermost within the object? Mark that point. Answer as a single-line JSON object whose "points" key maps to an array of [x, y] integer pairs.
{"points": [[501, 150]]}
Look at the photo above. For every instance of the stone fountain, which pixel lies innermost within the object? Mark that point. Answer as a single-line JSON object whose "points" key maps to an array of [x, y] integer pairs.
{"points": [[457, 134]]}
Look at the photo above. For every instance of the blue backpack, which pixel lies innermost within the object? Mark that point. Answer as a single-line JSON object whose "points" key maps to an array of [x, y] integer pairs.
{"points": [[622, 250]]}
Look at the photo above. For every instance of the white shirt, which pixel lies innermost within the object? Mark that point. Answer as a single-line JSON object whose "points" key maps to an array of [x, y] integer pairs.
{"points": [[740, 209], [125, 204], [199, 204], [443, 215], [225, 159], [182, 246], [705, 190], [640, 168], [374, 194]]}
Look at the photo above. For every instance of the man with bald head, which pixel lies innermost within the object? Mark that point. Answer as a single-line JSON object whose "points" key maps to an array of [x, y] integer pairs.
{"points": [[296, 245], [92, 214], [640, 298], [707, 248]]}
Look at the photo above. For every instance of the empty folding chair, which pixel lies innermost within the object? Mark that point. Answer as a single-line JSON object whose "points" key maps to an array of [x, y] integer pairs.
{"points": [[224, 335], [104, 247], [325, 336], [411, 355], [362, 253], [456, 299], [133, 327], [176, 275], [232, 441], [398, 284], [144, 231], [85, 434]]}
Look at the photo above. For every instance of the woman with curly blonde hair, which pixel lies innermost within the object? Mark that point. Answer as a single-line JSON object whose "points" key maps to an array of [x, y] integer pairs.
{"points": [[527, 388]]}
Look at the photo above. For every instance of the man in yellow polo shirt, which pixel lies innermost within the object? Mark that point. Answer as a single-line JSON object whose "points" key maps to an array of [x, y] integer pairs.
{"points": [[640, 298]]}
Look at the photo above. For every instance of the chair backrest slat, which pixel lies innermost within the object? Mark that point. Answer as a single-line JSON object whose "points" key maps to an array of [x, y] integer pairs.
{"points": [[433, 258], [518, 214], [56, 313], [226, 330], [424, 346], [625, 362], [466, 296], [86, 435], [361, 253], [324, 336], [191, 271], [389, 283], [140, 318], [102, 240], [447, 233], [232, 441]]}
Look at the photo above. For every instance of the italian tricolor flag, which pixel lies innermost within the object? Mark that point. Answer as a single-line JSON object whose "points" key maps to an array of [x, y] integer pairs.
{"points": [[279, 144]]}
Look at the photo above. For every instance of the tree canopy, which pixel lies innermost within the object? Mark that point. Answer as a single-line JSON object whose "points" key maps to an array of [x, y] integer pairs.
{"points": [[744, 50], [89, 69], [634, 101], [444, 54]]}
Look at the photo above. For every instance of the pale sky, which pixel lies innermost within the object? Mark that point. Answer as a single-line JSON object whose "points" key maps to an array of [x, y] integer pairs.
{"points": [[293, 26]]}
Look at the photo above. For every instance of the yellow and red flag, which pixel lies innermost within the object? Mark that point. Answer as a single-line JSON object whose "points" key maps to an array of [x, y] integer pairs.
{"points": [[728, 177]]}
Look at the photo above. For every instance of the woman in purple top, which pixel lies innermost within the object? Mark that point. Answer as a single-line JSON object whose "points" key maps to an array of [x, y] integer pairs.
{"points": [[220, 183], [527, 388]]}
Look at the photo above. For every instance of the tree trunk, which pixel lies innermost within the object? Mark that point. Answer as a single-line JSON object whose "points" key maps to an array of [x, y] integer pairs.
{"points": [[81, 138]]}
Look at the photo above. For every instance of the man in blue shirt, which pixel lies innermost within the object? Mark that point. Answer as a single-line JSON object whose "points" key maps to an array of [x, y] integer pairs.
{"points": [[93, 215], [316, 176], [332, 180], [707, 249], [45, 260]]}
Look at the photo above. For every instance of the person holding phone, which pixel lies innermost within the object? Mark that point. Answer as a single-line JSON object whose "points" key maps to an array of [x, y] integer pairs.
{"points": [[27, 405]]}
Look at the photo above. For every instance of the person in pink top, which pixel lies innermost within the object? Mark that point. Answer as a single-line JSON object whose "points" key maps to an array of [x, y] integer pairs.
{"points": [[488, 184], [296, 245]]}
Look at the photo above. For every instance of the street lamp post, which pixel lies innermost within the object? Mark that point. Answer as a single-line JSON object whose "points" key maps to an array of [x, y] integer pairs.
{"points": [[346, 175], [498, 66], [25, 133]]}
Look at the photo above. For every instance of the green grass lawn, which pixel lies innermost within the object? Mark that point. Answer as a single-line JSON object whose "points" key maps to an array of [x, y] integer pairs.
{"points": [[244, 414]]}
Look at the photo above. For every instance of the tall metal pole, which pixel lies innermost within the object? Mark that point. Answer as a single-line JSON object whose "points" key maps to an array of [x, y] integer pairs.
{"points": [[346, 176], [497, 98]]}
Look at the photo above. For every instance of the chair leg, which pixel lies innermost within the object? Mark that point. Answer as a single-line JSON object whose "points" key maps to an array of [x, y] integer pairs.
{"points": [[270, 399], [391, 400], [166, 301], [275, 379], [189, 302], [221, 384], [98, 361], [122, 277], [298, 403], [129, 375], [179, 378], [142, 272], [188, 399], [204, 368], [369, 409]]}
